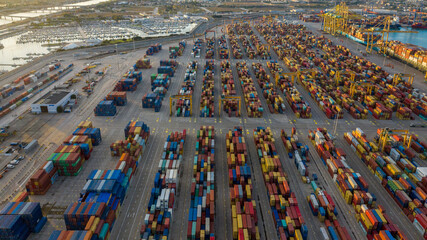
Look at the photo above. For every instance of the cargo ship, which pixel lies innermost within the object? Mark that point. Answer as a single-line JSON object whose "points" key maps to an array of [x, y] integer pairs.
{"points": [[419, 25]]}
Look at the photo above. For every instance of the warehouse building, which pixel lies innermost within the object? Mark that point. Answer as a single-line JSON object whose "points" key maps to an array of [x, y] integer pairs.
{"points": [[52, 102]]}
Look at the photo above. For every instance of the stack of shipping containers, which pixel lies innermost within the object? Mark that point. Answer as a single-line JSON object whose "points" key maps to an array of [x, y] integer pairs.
{"points": [[253, 104], [201, 215], [243, 206], [207, 106], [228, 89], [161, 204]]}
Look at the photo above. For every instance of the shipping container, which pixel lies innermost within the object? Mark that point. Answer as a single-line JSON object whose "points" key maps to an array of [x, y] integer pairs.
{"points": [[162, 199], [201, 217], [207, 106], [252, 102], [240, 183]]}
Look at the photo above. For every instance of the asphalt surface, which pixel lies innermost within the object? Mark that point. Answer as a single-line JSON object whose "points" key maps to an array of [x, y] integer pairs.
{"points": [[51, 129]]}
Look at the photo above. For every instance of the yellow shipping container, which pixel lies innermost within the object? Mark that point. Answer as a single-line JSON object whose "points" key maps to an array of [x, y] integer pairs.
{"points": [[233, 211], [248, 192], [235, 229], [272, 200], [366, 221], [245, 234], [239, 221], [298, 235]]}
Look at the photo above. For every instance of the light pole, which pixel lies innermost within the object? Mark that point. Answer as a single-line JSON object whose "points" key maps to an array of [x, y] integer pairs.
{"points": [[117, 59]]}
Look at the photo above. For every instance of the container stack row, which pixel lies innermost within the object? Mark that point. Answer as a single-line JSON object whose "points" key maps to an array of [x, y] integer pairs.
{"points": [[19, 219], [292, 95], [175, 51], [372, 219], [42, 179], [167, 67], [129, 82], [399, 174], [136, 135], [231, 106], [207, 108], [247, 46], [322, 205], [235, 47], [210, 48], [243, 205], [275, 102], [201, 215], [160, 83], [223, 47], [142, 63], [296, 150], [105, 108], [162, 198], [252, 102], [118, 98], [94, 214], [182, 106], [284, 205], [153, 49], [69, 157], [197, 48], [263, 51], [31, 92]]}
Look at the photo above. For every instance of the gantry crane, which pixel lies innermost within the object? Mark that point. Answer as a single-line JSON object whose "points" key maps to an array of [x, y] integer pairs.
{"points": [[354, 85], [399, 77], [177, 97], [232, 98], [340, 72], [386, 22], [386, 132]]}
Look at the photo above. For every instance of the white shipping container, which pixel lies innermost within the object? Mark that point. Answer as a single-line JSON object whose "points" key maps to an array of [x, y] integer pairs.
{"points": [[325, 235], [147, 217], [48, 167]]}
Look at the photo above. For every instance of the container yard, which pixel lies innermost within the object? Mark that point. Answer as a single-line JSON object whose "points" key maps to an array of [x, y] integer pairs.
{"points": [[189, 171]]}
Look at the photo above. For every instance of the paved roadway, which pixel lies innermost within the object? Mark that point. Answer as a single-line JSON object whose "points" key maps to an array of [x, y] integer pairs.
{"points": [[52, 129]]}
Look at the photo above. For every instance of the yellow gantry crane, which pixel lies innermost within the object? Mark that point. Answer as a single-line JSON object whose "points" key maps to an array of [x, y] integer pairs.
{"points": [[232, 98], [386, 22], [354, 85], [399, 77], [385, 133], [177, 97], [339, 73], [335, 22]]}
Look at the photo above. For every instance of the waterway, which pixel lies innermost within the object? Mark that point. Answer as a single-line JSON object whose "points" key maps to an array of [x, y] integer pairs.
{"points": [[419, 39]]}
